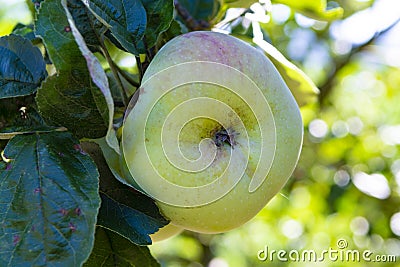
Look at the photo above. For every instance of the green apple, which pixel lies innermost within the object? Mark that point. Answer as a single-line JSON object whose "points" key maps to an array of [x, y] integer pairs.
{"points": [[166, 232], [215, 132]]}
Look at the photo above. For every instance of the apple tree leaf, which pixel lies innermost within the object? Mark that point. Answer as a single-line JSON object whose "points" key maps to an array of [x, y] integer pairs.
{"points": [[22, 67], [27, 120], [123, 209], [126, 20], [90, 28], [134, 24], [302, 87], [48, 202], [201, 10], [159, 17], [117, 165], [132, 215], [26, 31], [316, 9], [111, 249], [98, 76], [70, 98]]}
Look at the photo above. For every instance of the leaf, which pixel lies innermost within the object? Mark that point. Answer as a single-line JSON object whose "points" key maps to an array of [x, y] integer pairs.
{"points": [[200, 9], [48, 202], [125, 18], [316, 9], [27, 120], [176, 28], [25, 31], [134, 24], [89, 27], [110, 250], [135, 219], [22, 67], [123, 209], [302, 87], [117, 165], [159, 16], [98, 76], [70, 98]]}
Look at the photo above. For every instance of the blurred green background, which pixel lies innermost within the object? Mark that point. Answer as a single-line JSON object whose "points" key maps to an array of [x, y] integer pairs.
{"points": [[347, 183]]}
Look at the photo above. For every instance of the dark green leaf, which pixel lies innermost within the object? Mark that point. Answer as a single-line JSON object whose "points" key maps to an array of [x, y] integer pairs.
{"points": [[48, 203], [176, 28], [117, 164], [123, 209], [111, 249], [87, 24], [22, 67], [125, 18], [135, 219], [201, 9], [98, 76], [69, 99], [26, 120], [25, 31], [159, 17]]}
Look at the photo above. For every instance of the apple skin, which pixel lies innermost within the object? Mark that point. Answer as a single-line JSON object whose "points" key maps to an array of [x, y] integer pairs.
{"points": [[239, 205]]}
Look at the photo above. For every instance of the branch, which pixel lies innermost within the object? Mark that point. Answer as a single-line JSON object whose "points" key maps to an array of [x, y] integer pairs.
{"points": [[326, 88], [192, 23]]}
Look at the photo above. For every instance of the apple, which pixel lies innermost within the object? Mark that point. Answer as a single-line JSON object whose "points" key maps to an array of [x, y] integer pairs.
{"points": [[166, 232], [215, 132]]}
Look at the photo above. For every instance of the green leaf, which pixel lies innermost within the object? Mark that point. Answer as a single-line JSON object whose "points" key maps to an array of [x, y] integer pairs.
{"points": [[176, 28], [117, 164], [89, 27], [111, 249], [25, 31], [316, 9], [159, 16], [22, 67], [201, 9], [70, 98], [135, 219], [125, 18], [27, 120], [134, 24], [123, 209], [302, 87], [98, 76], [48, 202]]}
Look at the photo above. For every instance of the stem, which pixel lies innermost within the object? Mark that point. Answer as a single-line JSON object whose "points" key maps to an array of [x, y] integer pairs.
{"points": [[114, 70], [126, 76], [140, 68]]}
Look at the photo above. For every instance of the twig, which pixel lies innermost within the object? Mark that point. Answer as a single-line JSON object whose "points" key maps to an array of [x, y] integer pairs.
{"points": [[115, 72], [128, 78], [192, 23], [326, 88]]}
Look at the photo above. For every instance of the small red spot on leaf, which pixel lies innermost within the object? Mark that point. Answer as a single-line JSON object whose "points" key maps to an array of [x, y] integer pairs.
{"points": [[37, 190], [64, 212], [72, 227], [16, 239], [78, 211], [79, 149], [67, 28]]}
